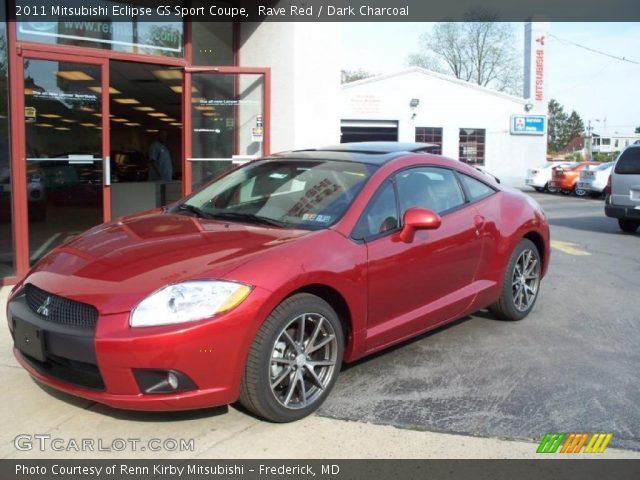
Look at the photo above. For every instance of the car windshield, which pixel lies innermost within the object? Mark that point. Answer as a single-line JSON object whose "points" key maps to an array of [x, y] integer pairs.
{"points": [[306, 194]]}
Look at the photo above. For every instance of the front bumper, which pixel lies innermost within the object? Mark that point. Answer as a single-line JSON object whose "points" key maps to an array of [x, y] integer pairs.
{"points": [[211, 353]]}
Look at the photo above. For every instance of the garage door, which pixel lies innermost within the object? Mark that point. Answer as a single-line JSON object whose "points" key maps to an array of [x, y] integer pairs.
{"points": [[368, 131]]}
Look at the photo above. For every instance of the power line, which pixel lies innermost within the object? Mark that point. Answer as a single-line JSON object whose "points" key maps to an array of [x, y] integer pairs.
{"points": [[593, 50]]}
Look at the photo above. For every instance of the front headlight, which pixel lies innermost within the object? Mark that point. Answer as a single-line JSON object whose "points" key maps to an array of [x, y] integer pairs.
{"points": [[188, 302]]}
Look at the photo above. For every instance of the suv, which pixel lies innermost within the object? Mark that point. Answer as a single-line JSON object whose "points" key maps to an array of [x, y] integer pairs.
{"points": [[623, 195]]}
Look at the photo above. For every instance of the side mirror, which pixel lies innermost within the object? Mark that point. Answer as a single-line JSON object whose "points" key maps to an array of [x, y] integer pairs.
{"points": [[418, 219]]}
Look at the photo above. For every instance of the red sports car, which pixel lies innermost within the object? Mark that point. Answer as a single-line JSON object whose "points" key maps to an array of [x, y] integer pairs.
{"points": [[259, 285]]}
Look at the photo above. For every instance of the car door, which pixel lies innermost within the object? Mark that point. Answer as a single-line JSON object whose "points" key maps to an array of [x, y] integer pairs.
{"points": [[416, 285]]}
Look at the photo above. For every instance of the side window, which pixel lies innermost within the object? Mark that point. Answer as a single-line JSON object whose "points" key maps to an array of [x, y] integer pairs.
{"points": [[433, 188], [475, 188], [381, 215]]}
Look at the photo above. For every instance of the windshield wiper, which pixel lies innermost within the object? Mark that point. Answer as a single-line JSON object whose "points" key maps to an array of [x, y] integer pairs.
{"points": [[185, 207], [249, 217]]}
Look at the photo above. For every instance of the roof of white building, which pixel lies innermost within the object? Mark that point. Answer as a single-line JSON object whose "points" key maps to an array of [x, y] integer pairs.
{"points": [[440, 76]]}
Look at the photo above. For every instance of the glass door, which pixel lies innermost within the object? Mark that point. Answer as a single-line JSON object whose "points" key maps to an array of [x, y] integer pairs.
{"points": [[64, 149], [228, 121]]}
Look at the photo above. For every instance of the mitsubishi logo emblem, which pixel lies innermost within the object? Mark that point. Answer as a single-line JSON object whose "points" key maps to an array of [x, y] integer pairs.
{"points": [[540, 40], [44, 308]]}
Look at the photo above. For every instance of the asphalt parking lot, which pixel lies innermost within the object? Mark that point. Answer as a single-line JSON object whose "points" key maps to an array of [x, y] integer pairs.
{"points": [[572, 365]]}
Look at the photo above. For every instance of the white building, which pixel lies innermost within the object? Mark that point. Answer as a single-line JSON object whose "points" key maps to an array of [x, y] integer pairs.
{"points": [[502, 133]]}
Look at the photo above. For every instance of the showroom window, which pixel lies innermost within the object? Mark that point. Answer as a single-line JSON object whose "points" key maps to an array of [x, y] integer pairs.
{"points": [[431, 135], [155, 37], [471, 146]]}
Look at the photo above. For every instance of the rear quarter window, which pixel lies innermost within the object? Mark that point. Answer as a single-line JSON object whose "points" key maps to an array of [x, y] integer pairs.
{"points": [[629, 162]]}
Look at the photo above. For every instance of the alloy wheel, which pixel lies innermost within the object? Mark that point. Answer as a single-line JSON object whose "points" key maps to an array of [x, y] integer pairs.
{"points": [[525, 280], [303, 360]]}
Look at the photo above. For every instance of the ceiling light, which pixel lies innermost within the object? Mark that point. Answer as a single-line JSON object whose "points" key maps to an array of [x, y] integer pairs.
{"points": [[97, 115], [68, 120], [50, 115], [74, 75], [168, 119], [176, 124], [112, 90], [152, 130], [126, 101], [144, 109], [205, 108], [178, 88], [132, 124], [173, 74], [62, 128], [88, 124], [43, 125], [119, 120], [157, 114], [87, 109]]}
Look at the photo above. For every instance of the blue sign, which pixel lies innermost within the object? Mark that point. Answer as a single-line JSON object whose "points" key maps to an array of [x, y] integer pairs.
{"points": [[528, 124]]}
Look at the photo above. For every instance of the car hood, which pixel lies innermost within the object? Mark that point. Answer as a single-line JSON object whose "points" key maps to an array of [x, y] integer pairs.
{"points": [[115, 265]]}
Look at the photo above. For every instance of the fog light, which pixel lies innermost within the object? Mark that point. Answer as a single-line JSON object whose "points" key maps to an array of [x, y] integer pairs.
{"points": [[172, 380], [162, 381]]}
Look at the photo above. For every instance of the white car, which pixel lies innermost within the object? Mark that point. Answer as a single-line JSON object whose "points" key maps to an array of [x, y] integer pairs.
{"points": [[540, 177], [594, 180]]}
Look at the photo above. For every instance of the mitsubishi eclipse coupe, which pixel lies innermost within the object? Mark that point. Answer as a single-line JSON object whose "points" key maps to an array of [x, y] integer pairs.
{"points": [[262, 283]]}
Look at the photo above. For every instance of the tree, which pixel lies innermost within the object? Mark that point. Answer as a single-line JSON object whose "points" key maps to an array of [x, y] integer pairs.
{"points": [[479, 50], [353, 75], [556, 121], [573, 127], [637, 129]]}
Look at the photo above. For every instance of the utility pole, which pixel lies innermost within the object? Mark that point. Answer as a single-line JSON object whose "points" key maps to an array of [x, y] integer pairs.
{"points": [[589, 144]]}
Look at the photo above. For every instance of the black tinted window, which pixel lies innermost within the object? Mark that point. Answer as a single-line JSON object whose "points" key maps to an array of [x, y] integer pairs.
{"points": [[380, 216], [629, 162], [429, 187], [475, 188]]}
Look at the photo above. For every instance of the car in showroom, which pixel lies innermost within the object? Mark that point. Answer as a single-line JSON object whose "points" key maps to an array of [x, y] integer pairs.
{"points": [[594, 180], [623, 197], [565, 179], [259, 285], [539, 178]]}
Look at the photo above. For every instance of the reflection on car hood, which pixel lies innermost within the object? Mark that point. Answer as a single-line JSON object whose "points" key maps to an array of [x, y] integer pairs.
{"points": [[113, 266]]}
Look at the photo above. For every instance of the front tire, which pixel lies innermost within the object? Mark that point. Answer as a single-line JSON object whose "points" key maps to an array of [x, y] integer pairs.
{"points": [[628, 226], [294, 360], [521, 283]]}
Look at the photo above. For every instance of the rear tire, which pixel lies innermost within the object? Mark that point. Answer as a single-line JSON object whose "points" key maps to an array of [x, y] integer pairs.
{"points": [[579, 192], [551, 189], [294, 360], [521, 283], [628, 226]]}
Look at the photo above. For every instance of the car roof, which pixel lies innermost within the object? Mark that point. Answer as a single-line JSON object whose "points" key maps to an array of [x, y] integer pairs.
{"points": [[374, 153]]}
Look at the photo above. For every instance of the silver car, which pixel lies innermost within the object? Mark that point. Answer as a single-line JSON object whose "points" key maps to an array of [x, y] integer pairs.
{"points": [[623, 200], [594, 180]]}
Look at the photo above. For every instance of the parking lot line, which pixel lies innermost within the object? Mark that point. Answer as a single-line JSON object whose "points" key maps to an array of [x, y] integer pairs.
{"points": [[569, 248]]}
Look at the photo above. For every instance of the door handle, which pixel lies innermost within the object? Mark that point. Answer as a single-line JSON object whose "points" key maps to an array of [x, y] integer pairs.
{"points": [[478, 221]]}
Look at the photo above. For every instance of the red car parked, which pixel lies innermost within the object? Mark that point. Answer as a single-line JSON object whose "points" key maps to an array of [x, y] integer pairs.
{"points": [[258, 286]]}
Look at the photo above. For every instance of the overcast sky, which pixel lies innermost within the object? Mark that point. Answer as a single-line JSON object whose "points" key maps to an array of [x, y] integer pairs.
{"points": [[594, 85]]}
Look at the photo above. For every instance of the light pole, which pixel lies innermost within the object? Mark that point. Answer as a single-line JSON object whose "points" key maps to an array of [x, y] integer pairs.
{"points": [[590, 139]]}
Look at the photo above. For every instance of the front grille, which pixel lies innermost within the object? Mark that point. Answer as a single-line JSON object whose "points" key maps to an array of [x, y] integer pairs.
{"points": [[59, 309], [77, 373]]}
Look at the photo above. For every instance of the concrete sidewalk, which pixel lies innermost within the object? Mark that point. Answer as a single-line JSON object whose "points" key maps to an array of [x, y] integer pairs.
{"points": [[218, 433]]}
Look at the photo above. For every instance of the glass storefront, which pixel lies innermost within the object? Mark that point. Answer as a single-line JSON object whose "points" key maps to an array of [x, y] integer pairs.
{"points": [[101, 132]]}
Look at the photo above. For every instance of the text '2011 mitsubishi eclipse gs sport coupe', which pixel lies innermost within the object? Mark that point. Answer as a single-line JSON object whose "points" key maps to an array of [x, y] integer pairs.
{"points": [[259, 285]]}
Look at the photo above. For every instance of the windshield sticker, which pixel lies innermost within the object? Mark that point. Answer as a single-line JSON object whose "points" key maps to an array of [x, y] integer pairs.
{"points": [[312, 217]]}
